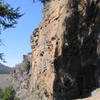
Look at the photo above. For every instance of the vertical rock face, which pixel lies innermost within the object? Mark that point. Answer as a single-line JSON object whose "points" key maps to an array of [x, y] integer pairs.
{"points": [[61, 62], [44, 42]]}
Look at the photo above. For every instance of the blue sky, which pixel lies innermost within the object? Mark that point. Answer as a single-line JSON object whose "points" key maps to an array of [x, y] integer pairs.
{"points": [[17, 40]]}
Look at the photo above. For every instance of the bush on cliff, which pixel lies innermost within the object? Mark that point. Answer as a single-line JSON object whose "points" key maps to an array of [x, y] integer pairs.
{"points": [[26, 65], [8, 94]]}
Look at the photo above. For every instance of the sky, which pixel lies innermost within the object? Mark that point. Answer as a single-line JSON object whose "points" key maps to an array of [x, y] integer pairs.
{"points": [[17, 40]]}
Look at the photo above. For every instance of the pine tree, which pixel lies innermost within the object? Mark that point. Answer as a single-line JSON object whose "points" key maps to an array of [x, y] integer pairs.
{"points": [[8, 17]]}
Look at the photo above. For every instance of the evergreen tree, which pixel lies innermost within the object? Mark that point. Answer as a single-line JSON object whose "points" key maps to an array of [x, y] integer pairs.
{"points": [[8, 17]]}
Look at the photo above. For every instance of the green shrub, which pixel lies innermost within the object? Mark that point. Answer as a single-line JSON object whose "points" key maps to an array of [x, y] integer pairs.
{"points": [[1, 93], [26, 65], [9, 94]]}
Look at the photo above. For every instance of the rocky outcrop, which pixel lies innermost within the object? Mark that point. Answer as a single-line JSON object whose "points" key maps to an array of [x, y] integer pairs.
{"points": [[65, 61], [22, 80]]}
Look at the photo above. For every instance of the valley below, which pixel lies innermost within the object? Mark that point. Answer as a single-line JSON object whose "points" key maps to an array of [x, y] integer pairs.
{"points": [[4, 81]]}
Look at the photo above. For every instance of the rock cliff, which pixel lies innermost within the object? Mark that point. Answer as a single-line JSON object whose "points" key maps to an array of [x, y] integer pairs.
{"points": [[22, 78], [65, 60], [44, 41]]}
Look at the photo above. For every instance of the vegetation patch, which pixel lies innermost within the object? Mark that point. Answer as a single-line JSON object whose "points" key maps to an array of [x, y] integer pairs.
{"points": [[8, 94], [26, 65]]}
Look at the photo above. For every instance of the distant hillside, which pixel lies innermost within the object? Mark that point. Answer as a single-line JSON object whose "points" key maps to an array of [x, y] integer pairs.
{"points": [[4, 69]]}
